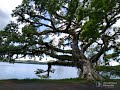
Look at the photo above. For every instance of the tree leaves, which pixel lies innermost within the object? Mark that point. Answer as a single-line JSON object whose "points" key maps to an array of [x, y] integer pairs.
{"points": [[29, 30], [103, 5], [90, 30], [85, 22]]}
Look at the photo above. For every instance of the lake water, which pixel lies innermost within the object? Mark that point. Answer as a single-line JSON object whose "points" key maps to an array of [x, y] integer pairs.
{"points": [[27, 71]]}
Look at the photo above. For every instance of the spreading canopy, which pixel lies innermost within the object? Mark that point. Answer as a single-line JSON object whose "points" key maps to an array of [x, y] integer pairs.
{"points": [[67, 30]]}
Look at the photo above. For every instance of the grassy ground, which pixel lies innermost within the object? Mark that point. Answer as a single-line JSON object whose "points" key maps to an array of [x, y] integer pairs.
{"points": [[74, 80]]}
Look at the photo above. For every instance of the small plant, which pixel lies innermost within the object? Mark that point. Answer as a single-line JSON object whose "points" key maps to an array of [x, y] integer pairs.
{"points": [[39, 73]]}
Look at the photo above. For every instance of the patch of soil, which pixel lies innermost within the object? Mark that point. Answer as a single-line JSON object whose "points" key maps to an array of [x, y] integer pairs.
{"points": [[39, 85]]}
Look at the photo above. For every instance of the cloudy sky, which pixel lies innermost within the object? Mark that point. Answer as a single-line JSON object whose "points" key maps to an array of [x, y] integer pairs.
{"points": [[6, 7]]}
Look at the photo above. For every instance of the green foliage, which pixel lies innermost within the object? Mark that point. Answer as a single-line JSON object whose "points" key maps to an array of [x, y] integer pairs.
{"points": [[103, 5], [90, 30], [29, 30], [113, 69], [73, 5], [109, 56], [81, 13]]}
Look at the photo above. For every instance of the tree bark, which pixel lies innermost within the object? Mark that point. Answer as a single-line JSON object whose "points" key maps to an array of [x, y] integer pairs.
{"points": [[88, 72], [82, 62]]}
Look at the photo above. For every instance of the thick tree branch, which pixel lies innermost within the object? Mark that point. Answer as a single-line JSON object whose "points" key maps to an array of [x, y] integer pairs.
{"points": [[103, 49], [59, 57], [51, 47]]}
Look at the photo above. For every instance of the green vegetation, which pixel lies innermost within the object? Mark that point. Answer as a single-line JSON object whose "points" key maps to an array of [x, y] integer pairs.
{"points": [[108, 68], [113, 69]]}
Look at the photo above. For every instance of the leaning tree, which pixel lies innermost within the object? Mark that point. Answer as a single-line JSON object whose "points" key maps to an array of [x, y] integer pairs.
{"points": [[77, 31]]}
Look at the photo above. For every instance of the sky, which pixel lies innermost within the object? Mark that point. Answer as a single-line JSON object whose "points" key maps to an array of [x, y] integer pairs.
{"points": [[6, 7]]}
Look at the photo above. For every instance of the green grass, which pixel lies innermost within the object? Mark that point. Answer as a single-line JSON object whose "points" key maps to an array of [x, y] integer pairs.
{"points": [[74, 80]]}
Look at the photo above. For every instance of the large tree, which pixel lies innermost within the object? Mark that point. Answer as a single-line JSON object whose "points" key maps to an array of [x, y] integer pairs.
{"points": [[83, 29]]}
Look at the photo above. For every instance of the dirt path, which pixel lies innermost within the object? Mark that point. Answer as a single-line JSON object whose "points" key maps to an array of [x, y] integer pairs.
{"points": [[21, 85]]}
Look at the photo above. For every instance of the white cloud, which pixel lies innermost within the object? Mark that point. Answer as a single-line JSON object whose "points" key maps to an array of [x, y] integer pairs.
{"points": [[114, 63], [4, 18], [9, 5], [117, 24], [6, 7]]}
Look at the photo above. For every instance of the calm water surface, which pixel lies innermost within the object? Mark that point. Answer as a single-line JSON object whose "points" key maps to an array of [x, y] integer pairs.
{"points": [[23, 71], [27, 71]]}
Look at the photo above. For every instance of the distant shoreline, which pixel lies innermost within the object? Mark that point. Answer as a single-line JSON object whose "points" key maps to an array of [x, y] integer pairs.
{"points": [[42, 63], [26, 62]]}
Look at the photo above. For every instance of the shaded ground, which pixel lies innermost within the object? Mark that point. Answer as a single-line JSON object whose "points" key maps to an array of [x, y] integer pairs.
{"points": [[56, 85]]}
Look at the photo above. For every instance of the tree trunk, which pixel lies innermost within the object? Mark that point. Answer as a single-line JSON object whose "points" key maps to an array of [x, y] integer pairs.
{"points": [[81, 61], [88, 72]]}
